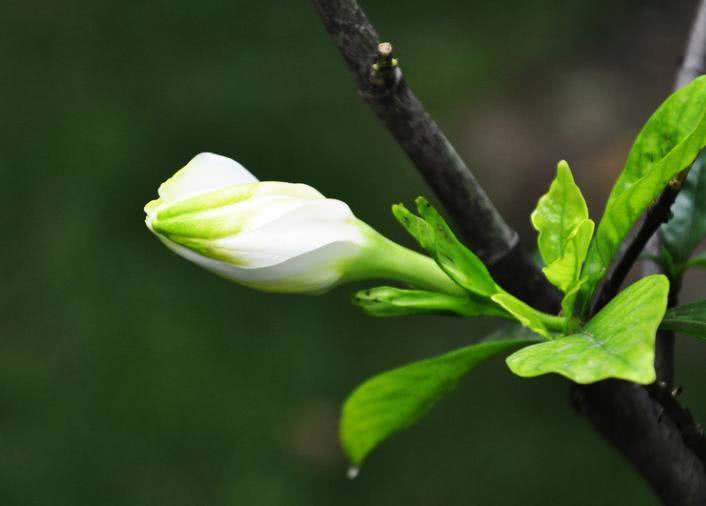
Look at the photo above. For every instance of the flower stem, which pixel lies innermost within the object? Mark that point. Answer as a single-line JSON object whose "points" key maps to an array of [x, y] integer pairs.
{"points": [[387, 259]]}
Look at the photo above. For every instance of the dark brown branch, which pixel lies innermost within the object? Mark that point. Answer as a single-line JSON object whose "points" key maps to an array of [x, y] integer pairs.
{"points": [[653, 432], [385, 90], [648, 426], [383, 86]]}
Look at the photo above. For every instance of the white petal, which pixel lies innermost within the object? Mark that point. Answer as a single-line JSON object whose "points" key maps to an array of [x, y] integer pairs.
{"points": [[310, 226], [205, 172], [313, 272]]}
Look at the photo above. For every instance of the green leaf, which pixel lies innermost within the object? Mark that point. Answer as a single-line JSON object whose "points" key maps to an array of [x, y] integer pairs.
{"points": [[699, 261], [617, 343], [565, 233], [557, 215], [667, 144], [687, 319], [687, 228], [390, 301], [394, 400], [527, 315], [565, 271], [434, 235], [569, 301]]}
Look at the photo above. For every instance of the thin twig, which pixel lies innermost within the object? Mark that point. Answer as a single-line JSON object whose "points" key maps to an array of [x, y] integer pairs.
{"points": [[655, 217]]}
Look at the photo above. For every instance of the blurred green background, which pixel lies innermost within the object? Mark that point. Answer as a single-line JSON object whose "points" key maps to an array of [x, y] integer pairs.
{"points": [[130, 377]]}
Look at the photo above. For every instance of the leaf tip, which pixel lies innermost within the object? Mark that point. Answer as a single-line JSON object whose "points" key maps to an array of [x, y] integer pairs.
{"points": [[401, 213], [563, 166]]}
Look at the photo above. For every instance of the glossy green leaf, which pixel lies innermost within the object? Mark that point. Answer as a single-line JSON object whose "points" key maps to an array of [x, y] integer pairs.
{"points": [[569, 301], [394, 400], [667, 144], [687, 319], [434, 235], [525, 314], [616, 343], [556, 218], [565, 271], [687, 228], [390, 301]]}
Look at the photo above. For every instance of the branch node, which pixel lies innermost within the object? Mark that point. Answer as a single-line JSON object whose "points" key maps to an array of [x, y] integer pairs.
{"points": [[385, 72]]}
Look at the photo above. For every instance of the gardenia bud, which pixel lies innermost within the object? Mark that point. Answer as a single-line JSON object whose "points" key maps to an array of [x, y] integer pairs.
{"points": [[273, 236]]}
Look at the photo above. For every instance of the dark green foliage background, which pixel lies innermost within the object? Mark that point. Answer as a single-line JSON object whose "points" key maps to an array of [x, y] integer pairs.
{"points": [[130, 377]]}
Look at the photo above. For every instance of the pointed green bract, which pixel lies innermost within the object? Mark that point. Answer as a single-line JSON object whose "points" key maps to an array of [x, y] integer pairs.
{"points": [[687, 319], [667, 144], [394, 400], [390, 301], [434, 235], [557, 215], [687, 228], [617, 343]]}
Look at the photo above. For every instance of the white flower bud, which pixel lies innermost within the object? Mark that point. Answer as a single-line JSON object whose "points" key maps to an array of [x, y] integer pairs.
{"points": [[273, 236]]}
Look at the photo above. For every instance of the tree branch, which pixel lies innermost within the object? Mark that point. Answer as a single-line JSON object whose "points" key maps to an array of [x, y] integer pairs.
{"points": [[647, 425], [659, 437], [383, 86], [653, 432], [693, 64]]}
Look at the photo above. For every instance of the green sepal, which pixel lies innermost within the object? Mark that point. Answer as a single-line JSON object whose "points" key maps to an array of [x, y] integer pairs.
{"points": [[396, 399], [618, 342], [391, 301], [686, 319], [435, 236], [667, 144]]}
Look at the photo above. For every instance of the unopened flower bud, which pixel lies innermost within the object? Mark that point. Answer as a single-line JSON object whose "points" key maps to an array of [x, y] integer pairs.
{"points": [[274, 236]]}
